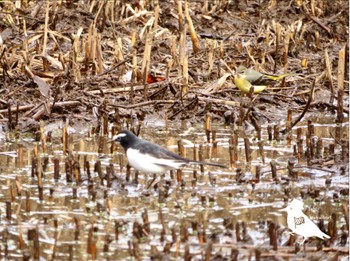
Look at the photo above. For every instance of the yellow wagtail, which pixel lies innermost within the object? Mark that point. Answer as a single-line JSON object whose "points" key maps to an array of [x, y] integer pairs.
{"points": [[246, 78]]}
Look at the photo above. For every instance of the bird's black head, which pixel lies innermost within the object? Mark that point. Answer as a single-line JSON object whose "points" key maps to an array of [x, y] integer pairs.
{"points": [[125, 138]]}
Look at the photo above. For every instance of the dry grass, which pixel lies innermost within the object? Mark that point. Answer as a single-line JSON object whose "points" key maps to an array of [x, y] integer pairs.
{"points": [[55, 51]]}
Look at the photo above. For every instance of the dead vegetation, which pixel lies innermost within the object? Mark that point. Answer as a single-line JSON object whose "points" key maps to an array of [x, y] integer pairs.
{"points": [[64, 58]]}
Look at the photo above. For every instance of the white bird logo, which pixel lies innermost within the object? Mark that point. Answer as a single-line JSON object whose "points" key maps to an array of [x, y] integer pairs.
{"points": [[300, 224]]}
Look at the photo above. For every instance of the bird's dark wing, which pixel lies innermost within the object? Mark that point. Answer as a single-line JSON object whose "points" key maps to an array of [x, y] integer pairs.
{"points": [[159, 152], [262, 80], [208, 163]]}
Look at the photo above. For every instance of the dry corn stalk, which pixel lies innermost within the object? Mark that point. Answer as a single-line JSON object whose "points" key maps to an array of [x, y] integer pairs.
{"points": [[147, 57], [134, 58], [180, 15], [329, 73], [185, 76], [182, 46], [212, 47], [194, 37]]}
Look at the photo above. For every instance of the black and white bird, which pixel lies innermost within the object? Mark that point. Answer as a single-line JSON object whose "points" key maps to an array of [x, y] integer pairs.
{"points": [[151, 158], [300, 224]]}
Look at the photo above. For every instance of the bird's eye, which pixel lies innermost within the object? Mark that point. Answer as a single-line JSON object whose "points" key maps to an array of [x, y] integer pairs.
{"points": [[119, 137], [116, 138]]}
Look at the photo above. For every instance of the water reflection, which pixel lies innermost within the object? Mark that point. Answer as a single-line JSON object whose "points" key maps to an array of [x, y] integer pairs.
{"points": [[78, 220]]}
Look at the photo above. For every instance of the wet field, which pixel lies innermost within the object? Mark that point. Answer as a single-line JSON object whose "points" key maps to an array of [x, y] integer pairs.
{"points": [[86, 203]]}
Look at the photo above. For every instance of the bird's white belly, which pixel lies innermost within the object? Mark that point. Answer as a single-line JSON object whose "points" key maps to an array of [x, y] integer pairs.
{"points": [[148, 164]]}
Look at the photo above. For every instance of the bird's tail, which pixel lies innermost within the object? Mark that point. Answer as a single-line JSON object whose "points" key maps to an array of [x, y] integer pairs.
{"points": [[323, 235], [326, 236], [277, 77], [208, 163], [270, 79]]}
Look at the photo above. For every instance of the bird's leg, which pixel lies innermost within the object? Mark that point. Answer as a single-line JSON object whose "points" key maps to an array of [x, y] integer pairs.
{"points": [[290, 233], [302, 243], [161, 181], [150, 184]]}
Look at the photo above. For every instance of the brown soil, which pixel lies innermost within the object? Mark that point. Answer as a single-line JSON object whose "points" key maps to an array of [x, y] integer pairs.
{"points": [[77, 58]]}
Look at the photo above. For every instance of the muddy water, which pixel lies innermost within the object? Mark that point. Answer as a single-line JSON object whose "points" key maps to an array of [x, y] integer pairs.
{"points": [[79, 221]]}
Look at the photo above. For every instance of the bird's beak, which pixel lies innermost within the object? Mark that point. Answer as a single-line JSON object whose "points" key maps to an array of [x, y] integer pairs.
{"points": [[283, 209]]}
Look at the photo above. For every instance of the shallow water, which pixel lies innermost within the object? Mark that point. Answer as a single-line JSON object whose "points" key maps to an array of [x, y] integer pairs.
{"points": [[213, 205]]}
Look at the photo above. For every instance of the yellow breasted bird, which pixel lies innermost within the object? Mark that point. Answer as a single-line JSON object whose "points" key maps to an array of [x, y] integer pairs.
{"points": [[246, 78]]}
